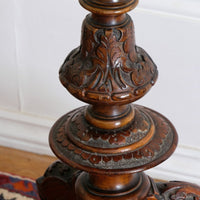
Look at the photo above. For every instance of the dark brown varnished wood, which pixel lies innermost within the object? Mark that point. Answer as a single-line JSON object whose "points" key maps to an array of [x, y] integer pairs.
{"points": [[58, 182], [109, 143], [174, 190]]}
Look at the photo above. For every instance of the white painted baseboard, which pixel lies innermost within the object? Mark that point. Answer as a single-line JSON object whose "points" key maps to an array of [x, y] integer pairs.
{"points": [[25, 132], [30, 133]]}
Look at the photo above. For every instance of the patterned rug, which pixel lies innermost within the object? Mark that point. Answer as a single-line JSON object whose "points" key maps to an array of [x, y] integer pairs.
{"points": [[17, 188]]}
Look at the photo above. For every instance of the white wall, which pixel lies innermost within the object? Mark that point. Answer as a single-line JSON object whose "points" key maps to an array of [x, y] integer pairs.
{"points": [[36, 36]]}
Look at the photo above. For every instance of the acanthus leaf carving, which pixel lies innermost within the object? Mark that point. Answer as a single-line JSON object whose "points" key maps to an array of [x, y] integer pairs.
{"points": [[108, 62]]}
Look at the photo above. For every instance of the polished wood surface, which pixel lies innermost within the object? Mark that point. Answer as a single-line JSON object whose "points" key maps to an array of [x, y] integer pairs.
{"points": [[23, 163]]}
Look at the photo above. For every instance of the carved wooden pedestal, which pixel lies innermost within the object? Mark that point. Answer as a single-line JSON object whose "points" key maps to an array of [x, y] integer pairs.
{"points": [[106, 146]]}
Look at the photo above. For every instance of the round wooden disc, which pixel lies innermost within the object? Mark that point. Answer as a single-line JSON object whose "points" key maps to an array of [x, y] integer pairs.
{"points": [[147, 141]]}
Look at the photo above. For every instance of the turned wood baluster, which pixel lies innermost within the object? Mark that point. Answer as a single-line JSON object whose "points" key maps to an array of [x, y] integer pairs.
{"points": [[109, 143]]}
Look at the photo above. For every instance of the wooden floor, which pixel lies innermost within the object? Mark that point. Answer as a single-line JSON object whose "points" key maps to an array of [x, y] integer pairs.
{"points": [[24, 163]]}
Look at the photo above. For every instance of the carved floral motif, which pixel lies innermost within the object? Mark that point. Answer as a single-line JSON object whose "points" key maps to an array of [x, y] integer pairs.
{"points": [[108, 65]]}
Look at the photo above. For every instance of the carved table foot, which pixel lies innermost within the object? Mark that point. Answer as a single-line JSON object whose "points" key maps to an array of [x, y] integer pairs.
{"points": [[58, 182], [174, 190]]}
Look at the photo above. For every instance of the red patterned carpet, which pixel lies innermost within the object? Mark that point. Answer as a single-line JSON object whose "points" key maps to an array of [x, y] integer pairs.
{"points": [[13, 187]]}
